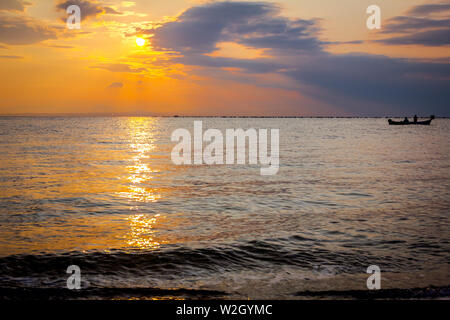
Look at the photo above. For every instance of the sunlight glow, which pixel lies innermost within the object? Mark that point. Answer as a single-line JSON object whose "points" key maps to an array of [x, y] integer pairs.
{"points": [[140, 41]]}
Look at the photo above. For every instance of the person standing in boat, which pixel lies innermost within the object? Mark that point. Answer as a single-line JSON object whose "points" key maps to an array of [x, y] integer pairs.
{"points": [[415, 118], [406, 120]]}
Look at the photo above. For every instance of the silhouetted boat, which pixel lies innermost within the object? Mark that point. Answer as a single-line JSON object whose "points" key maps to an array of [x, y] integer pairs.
{"points": [[404, 123]]}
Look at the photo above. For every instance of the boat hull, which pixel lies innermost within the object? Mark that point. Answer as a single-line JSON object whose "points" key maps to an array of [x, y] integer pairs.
{"points": [[402, 123]]}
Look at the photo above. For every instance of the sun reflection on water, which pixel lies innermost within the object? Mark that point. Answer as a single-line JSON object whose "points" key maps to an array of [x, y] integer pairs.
{"points": [[137, 189], [140, 194], [141, 131], [142, 231]]}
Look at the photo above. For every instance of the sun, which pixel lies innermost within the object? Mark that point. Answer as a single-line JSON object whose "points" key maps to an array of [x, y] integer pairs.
{"points": [[140, 41]]}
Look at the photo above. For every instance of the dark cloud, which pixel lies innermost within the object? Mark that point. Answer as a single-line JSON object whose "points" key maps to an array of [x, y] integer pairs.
{"points": [[343, 42], [13, 5], [360, 84], [249, 65], [21, 30], [115, 85], [11, 57], [403, 24], [427, 9], [257, 24], [390, 84], [433, 38], [419, 27], [88, 8], [118, 67]]}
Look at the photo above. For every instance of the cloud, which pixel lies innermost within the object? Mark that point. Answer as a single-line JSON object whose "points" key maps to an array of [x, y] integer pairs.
{"points": [[428, 9], [402, 24], [115, 85], [128, 4], [21, 30], [432, 38], [11, 57], [61, 46], [388, 83], [361, 84], [109, 10], [258, 24], [118, 67], [420, 27], [249, 65], [89, 9], [13, 5]]}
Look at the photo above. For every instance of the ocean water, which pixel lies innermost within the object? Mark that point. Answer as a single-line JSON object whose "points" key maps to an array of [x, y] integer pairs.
{"points": [[102, 193]]}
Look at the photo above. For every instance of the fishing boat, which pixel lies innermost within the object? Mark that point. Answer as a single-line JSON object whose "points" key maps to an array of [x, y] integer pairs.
{"points": [[406, 123]]}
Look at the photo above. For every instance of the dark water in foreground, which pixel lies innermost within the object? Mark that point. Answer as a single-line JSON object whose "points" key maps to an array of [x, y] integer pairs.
{"points": [[103, 194]]}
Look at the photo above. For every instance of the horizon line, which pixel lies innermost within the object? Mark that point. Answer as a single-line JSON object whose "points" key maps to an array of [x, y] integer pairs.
{"points": [[125, 114]]}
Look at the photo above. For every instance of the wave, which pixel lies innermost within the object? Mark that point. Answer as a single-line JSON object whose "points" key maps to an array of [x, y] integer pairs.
{"points": [[188, 272], [184, 261]]}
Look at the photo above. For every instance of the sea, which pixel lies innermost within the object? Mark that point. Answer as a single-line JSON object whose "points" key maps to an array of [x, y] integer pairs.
{"points": [[103, 194]]}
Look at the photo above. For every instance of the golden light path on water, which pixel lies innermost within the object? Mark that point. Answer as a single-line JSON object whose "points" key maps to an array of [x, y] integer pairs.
{"points": [[141, 132]]}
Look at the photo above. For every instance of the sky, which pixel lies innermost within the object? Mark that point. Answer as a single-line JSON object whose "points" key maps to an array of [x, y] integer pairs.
{"points": [[264, 58]]}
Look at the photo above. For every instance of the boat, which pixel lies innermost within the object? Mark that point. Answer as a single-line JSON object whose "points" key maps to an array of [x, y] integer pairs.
{"points": [[406, 123]]}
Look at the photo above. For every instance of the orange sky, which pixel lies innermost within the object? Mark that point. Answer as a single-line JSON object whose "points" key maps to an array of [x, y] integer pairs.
{"points": [[101, 69]]}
